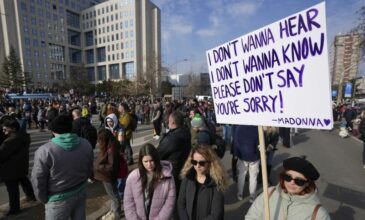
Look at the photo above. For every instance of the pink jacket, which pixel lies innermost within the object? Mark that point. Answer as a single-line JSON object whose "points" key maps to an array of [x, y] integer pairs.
{"points": [[163, 199]]}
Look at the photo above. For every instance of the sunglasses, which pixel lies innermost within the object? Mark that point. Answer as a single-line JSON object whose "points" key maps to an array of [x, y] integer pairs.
{"points": [[201, 163], [297, 181]]}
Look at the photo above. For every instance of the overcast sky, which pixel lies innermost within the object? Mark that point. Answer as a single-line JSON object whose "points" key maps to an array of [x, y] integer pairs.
{"points": [[190, 27]]}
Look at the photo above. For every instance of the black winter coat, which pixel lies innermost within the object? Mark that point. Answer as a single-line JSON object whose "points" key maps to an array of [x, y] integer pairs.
{"points": [[175, 147], [77, 125], [210, 204], [14, 157]]}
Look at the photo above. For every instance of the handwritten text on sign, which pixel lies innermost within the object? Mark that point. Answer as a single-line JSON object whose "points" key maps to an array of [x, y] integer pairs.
{"points": [[277, 75]]}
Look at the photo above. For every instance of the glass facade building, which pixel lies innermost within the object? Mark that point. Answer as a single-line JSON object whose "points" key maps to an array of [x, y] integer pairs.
{"points": [[112, 39]]}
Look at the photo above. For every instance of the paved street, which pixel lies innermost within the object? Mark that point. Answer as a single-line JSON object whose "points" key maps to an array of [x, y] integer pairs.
{"points": [[341, 186]]}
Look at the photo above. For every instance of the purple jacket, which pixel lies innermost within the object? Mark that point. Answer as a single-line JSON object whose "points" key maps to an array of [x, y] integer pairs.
{"points": [[163, 199]]}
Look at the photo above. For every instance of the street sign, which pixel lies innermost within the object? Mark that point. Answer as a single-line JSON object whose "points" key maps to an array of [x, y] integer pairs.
{"points": [[277, 75]]}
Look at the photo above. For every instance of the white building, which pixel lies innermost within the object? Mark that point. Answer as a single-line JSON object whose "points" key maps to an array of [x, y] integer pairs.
{"points": [[113, 39]]}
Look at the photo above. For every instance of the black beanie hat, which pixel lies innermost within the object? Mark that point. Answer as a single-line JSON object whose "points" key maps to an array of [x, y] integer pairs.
{"points": [[61, 124], [301, 165]]}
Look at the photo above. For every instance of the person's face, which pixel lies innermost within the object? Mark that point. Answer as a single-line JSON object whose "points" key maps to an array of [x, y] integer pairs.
{"points": [[291, 186], [121, 109], [191, 114], [110, 123], [172, 124], [148, 163], [7, 131], [200, 164]]}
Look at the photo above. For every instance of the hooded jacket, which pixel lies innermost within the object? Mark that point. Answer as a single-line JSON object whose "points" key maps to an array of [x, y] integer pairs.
{"points": [[116, 126], [61, 167], [163, 199], [285, 206], [14, 157]]}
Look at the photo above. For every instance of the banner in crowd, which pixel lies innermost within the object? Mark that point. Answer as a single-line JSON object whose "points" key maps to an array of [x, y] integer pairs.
{"points": [[277, 75]]}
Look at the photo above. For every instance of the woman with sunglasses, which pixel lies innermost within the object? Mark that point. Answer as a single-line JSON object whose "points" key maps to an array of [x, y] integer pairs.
{"points": [[150, 189], [295, 197], [201, 190]]}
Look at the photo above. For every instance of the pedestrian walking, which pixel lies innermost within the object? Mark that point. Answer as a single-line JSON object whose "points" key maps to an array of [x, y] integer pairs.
{"points": [[201, 192], [245, 142], [150, 189], [126, 121], [14, 164], [295, 197], [60, 172]]}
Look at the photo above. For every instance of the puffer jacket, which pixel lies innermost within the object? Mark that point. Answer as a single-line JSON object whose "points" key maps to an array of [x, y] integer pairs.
{"points": [[163, 199], [289, 207], [14, 157]]}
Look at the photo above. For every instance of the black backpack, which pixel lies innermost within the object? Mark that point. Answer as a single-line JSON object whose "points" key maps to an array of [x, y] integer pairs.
{"points": [[88, 131], [219, 145]]}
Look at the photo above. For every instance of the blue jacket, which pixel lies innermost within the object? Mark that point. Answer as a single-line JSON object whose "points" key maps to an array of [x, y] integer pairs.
{"points": [[245, 142]]}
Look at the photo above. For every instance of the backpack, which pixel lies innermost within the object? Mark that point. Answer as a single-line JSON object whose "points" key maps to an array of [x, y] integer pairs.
{"points": [[89, 133], [219, 145], [134, 122]]}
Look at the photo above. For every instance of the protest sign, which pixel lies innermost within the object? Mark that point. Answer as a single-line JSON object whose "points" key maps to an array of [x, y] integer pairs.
{"points": [[277, 75]]}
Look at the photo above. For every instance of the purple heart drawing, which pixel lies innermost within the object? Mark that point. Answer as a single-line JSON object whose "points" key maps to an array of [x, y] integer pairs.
{"points": [[327, 121]]}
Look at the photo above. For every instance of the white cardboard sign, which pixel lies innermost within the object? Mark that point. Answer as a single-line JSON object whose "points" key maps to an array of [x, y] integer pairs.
{"points": [[277, 75]]}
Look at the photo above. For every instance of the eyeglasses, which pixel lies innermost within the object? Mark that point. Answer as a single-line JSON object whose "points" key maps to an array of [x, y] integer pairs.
{"points": [[201, 163], [297, 181]]}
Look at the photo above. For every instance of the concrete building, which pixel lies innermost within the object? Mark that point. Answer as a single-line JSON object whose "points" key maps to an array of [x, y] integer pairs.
{"points": [[346, 58], [112, 39]]}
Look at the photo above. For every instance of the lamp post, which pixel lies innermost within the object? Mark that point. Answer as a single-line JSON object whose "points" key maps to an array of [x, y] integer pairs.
{"points": [[176, 73]]}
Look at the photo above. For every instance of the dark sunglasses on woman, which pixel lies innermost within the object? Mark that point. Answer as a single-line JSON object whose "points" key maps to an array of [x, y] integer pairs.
{"points": [[201, 163], [297, 181]]}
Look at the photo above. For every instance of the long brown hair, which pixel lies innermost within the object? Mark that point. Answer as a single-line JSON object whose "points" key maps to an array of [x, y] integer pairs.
{"points": [[107, 140], [215, 169], [310, 187], [149, 150]]}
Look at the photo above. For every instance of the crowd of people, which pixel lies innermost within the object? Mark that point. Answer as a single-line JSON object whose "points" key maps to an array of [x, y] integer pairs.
{"points": [[180, 178]]}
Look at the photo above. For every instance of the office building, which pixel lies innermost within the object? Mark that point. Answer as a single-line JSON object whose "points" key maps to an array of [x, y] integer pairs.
{"points": [[113, 39], [346, 58]]}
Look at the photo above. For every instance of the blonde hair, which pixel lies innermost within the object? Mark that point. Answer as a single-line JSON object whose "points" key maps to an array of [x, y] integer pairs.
{"points": [[271, 130], [215, 169]]}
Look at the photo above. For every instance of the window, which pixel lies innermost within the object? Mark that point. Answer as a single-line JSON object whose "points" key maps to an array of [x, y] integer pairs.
{"points": [[128, 69], [34, 32], [114, 71], [32, 9], [75, 55], [101, 54], [35, 43], [56, 52], [74, 38], [89, 38], [101, 73], [34, 21], [89, 56], [73, 19], [23, 6], [40, 12], [91, 73]]}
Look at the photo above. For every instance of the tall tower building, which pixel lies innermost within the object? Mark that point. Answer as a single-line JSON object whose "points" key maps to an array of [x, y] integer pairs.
{"points": [[112, 39], [346, 58]]}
